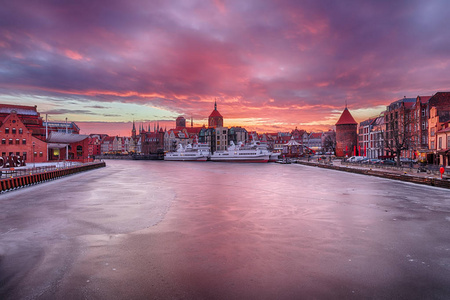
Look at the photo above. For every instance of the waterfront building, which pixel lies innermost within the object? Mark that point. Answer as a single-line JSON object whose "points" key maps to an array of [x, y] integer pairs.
{"points": [[419, 137], [50, 140], [221, 143], [173, 138], [94, 144], [280, 142], [443, 144], [18, 140], [439, 114], [109, 144], [153, 142], [237, 134], [398, 128], [375, 148], [346, 134], [299, 135], [315, 141], [364, 131]]}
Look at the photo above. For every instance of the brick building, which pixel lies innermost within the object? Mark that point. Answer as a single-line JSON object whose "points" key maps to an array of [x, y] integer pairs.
{"points": [[346, 134], [18, 140], [23, 133], [215, 119]]}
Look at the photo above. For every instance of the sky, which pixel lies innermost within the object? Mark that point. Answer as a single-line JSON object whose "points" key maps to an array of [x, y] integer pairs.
{"points": [[270, 65]]}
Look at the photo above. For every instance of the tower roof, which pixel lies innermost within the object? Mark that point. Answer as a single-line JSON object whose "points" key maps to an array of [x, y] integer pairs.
{"points": [[215, 112], [346, 118]]}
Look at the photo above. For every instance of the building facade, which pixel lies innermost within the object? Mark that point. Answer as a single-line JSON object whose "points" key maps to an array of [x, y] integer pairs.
{"points": [[346, 135]]}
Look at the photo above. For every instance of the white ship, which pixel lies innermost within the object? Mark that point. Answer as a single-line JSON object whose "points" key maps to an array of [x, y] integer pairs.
{"points": [[198, 152], [238, 153]]}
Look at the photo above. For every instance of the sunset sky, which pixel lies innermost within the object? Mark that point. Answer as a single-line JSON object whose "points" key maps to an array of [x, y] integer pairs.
{"points": [[271, 65]]}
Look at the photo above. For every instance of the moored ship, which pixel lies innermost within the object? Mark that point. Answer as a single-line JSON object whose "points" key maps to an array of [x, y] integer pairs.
{"points": [[237, 153], [198, 152]]}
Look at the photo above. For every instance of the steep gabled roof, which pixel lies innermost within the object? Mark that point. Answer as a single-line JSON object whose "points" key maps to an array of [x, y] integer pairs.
{"points": [[346, 118]]}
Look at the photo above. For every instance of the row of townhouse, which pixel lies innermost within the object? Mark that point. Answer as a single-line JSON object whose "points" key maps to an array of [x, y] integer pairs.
{"points": [[414, 128]]}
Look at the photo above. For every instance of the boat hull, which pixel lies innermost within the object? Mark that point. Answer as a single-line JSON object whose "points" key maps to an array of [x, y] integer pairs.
{"points": [[185, 158], [241, 159]]}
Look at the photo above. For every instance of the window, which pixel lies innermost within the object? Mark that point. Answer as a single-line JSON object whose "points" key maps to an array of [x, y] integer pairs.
{"points": [[80, 150], [24, 142], [423, 112], [24, 155], [10, 141], [3, 141], [3, 153], [40, 154], [14, 131], [20, 130], [6, 130], [440, 143], [17, 153], [17, 142]]}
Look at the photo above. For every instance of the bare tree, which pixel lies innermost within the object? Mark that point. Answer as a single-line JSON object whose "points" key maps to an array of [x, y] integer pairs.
{"points": [[397, 137], [329, 142]]}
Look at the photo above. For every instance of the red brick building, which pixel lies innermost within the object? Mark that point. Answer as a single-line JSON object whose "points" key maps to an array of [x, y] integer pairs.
{"points": [[17, 139], [23, 133], [346, 134], [215, 119]]}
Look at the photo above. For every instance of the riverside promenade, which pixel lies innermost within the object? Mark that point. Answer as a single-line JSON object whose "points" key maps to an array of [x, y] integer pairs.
{"points": [[404, 173], [19, 177]]}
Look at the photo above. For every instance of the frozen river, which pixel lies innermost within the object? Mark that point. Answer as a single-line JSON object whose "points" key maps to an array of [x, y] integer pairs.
{"points": [[180, 230]]}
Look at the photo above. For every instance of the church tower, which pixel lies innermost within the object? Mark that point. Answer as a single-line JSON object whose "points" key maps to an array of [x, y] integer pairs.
{"points": [[133, 131], [215, 119]]}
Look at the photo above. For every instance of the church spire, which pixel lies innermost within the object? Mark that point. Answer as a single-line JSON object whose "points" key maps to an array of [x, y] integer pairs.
{"points": [[215, 104]]}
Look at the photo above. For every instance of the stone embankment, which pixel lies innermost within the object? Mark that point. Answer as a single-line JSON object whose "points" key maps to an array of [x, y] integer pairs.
{"points": [[27, 177], [391, 174]]}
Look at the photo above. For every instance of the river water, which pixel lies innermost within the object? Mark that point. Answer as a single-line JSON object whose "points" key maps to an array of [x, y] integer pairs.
{"points": [[204, 230]]}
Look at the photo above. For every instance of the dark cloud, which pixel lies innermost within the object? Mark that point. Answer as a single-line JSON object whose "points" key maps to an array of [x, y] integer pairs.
{"points": [[63, 111], [179, 54]]}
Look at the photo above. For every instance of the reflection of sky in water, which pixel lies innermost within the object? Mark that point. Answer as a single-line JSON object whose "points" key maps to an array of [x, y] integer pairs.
{"points": [[224, 230]]}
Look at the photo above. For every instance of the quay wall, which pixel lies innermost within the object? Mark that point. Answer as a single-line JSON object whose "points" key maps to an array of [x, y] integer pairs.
{"points": [[443, 183], [12, 183]]}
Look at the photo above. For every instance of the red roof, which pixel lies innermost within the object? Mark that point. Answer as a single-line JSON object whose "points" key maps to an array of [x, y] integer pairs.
{"points": [[424, 99], [346, 118], [215, 113]]}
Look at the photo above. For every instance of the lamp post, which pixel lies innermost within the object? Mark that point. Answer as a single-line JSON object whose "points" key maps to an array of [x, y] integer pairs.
{"points": [[34, 163]]}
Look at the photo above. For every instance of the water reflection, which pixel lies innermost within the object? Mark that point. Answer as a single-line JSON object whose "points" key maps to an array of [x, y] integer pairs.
{"points": [[221, 231]]}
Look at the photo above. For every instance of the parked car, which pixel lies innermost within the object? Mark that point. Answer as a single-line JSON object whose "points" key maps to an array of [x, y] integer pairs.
{"points": [[388, 162], [355, 158], [407, 161]]}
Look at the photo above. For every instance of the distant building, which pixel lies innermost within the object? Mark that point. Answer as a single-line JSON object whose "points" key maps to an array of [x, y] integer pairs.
{"points": [[315, 141], [237, 134], [180, 123], [346, 134], [215, 119]]}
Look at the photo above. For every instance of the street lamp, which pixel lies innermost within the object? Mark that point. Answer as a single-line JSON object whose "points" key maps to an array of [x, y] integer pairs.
{"points": [[34, 165]]}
